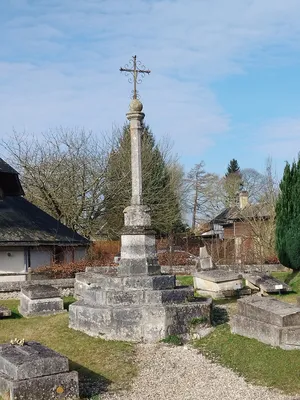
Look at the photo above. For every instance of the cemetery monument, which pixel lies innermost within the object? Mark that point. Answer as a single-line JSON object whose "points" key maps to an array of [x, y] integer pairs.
{"points": [[139, 304]]}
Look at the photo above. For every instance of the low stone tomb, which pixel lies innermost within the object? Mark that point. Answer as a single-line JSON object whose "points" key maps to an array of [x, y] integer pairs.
{"points": [[40, 300], [266, 283], [218, 283], [268, 320], [4, 312], [35, 372]]}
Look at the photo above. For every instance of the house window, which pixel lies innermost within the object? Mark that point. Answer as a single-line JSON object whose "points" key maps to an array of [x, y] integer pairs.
{"points": [[58, 255]]}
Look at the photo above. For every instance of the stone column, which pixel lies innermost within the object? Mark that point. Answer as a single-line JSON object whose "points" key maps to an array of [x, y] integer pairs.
{"points": [[138, 250], [135, 116]]}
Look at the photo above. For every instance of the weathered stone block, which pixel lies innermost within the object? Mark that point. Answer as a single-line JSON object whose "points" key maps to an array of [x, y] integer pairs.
{"points": [[137, 323], [93, 320], [264, 332], [52, 387], [178, 295], [155, 282], [44, 306], [4, 312], [30, 360], [113, 297], [268, 320], [40, 291], [142, 266], [180, 316], [85, 281], [266, 283], [218, 283], [137, 215], [35, 372], [269, 310]]}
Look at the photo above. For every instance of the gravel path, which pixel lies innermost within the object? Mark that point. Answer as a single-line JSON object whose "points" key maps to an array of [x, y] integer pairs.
{"points": [[181, 373]]}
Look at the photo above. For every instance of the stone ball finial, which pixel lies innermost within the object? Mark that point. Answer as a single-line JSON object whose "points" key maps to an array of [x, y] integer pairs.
{"points": [[135, 105]]}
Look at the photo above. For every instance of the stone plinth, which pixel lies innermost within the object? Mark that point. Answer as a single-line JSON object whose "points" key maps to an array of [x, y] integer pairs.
{"points": [[35, 372], [268, 320], [40, 300], [266, 283], [218, 283], [4, 312], [138, 309], [138, 246]]}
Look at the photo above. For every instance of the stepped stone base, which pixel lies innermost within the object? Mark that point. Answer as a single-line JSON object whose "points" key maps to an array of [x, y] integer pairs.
{"points": [[269, 321], [137, 308]]}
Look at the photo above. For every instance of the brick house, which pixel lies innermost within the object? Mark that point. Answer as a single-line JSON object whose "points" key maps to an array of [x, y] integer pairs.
{"points": [[241, 227]]}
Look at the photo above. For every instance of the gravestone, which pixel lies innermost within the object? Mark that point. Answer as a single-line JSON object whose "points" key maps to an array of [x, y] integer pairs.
{"points": [[204, 261], [268, 320], [4, 312], [266, 283], [208, 280], [35, 372], [139, 304], [218, 283], [40, 300]]}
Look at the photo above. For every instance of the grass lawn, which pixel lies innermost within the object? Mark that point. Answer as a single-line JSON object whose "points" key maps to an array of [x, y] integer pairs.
{"points": [[100, 363], [256, 362], [185, 280], [293, 280]]}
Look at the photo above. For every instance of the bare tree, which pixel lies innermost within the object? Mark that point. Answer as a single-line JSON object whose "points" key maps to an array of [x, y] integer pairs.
{"points": [[205, 197], [63, 172], [260, 216]]}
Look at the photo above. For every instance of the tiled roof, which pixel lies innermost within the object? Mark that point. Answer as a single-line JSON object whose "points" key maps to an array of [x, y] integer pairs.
{"points": [[23, 223]]}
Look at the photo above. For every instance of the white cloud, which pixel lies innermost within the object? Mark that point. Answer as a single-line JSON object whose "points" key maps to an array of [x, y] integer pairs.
{"points": [[281, 138], [61, 59]]}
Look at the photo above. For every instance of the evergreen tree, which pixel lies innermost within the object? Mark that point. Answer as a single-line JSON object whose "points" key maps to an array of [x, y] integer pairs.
{"points": [[233, 167], [160, 185], [233, 183], [288, 217]]}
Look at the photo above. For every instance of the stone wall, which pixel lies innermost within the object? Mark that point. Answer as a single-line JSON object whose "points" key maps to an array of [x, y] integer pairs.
{"points": [[11, 290], [251, 268]]}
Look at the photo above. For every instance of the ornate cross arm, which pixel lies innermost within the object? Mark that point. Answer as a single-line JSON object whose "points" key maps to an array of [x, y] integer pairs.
{"points": [[138, 71]]}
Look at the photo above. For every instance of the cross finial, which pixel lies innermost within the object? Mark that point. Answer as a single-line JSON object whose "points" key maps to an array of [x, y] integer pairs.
{"points": [[137, 69]]}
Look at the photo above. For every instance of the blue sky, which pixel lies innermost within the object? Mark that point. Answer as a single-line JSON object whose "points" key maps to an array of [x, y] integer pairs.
{"points": [[225, 80]]}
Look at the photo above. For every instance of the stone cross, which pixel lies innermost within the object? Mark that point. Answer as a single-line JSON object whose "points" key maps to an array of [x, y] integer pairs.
{"points": [[136, 116]]}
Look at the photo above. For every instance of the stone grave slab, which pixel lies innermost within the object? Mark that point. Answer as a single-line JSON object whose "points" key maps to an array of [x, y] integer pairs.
{"points": [[4, 312], [218, 283], [266, 283], [35, 372], [40, 300], [268, 320]]}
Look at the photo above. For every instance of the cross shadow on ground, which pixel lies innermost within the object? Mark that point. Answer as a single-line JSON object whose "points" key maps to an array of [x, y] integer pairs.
{"points": [[90, 383]]}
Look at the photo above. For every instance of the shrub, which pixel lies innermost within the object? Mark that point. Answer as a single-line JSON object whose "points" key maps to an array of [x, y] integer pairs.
{"points": [[67, 270], [288, 217]]}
